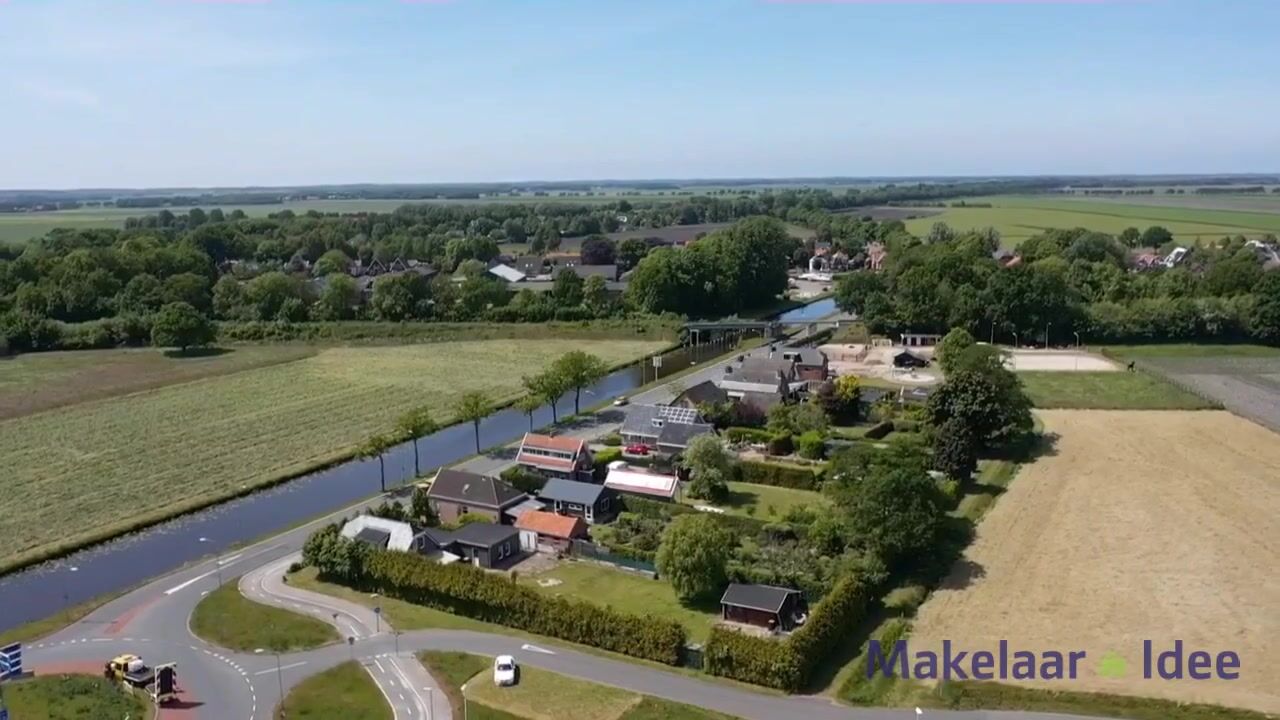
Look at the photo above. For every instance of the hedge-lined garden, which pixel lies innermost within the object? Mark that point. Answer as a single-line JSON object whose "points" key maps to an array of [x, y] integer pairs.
{"points": [[470, 592]]}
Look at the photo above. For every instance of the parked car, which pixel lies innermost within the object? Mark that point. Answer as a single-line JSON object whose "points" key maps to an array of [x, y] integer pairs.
{"points": [[621, 401], [504, 670], [637, 449]]}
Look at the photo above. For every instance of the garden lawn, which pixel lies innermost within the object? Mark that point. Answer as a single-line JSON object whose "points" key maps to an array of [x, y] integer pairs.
{"points": [[767, 502], [625, 591], [1107, 391], [98, 469], [71, 697], [345, 691], [228, 619], [1190, 350]]}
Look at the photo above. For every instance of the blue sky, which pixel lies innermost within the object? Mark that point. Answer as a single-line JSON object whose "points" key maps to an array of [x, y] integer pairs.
{"points": [[175, 92]]}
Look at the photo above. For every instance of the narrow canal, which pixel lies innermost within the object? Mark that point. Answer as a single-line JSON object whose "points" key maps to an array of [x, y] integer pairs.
{"points": [[119, 564]]}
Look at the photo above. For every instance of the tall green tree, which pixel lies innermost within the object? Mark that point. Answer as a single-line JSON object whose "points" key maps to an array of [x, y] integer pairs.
{"points": [[951, 346], [376, 446], [580, 370], [414, 424], [693, 556], [473, 406], [549, 385], [182, 326], [709, 466], [955, 450], [528, 404], [567, 288], [984, 396], [896, 512]]}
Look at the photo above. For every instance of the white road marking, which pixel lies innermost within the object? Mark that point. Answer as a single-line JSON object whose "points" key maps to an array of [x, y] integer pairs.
{"points": [[380, 668], [282, 668], [395, 713], [535, 648]]}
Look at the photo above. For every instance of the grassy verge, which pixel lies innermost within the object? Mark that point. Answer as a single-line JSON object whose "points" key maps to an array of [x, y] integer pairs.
{"points": [[345, 691], [1137, 352], [995, 696], [407, 616], [37, 629], [1107, 391], [72, 697], [228, 619], [544, 694]]}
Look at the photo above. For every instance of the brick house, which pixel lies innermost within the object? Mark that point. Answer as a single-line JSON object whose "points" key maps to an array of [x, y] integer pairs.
{"points": [[455, 493], [555, 457]]}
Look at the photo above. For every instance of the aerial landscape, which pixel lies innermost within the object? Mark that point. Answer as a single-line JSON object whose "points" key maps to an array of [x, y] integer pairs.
{"points": [[590, 361]]}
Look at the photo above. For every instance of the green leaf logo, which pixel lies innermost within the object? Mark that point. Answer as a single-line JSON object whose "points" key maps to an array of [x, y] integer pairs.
{"points": [[1112, 665]]}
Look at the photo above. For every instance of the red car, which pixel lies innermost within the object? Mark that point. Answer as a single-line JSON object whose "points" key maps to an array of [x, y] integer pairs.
{"points": [[637, 449]]}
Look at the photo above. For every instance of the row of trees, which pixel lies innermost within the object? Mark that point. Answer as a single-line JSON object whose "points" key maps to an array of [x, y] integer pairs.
{"points": [[1067, 281]]}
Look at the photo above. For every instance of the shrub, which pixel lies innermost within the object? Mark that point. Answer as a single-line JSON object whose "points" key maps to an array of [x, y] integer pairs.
{"points": [[812, 445], [612, 440], [879, 430], [523, 479], [602, 460], [747, 435], [466, 591], [781, 444], [777, 475]]}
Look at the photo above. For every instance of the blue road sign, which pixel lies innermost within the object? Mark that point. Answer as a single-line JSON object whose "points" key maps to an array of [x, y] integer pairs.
{"points": [[4, 715], [377, 610], [10, 661]]}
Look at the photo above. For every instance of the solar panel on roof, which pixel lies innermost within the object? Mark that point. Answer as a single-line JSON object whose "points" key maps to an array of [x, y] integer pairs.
{"points": [[678, 414]]}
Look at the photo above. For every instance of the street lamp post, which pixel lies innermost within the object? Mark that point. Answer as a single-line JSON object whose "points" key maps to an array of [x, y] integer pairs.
{"points": [[464, 701], [1046, 336], [279, 677], [1077, 338], [397, 635], [1015, 341], [66, 589]]}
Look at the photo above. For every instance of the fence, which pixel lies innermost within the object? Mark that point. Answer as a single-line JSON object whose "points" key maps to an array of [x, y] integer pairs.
{"points": [[590, 551]]}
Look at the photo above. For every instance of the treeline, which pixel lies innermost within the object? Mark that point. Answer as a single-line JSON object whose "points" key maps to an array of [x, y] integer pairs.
{"points": [[1067, 281]]}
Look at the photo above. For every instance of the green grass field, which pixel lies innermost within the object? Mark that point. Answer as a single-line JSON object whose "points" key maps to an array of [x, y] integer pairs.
{"points": [[621, 590], [767, 502], [543, 695], [1188, 350], [1019, 217], [1107, 391], [228, 619], [345, 691], [72, 697], [33, 382], [97, 469]]}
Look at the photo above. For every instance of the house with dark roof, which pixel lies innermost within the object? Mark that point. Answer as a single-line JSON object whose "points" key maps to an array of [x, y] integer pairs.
{"points": [[591, 502], [908, 359], [807, 363], [455, 493], [484, 545], [704, 393], [665, 428], [555, 457], [764, 606]]}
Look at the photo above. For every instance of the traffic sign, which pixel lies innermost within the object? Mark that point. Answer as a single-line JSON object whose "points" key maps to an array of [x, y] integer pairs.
{"points": [[11, 661], [4, 714], [377, 610], [657, 361]]}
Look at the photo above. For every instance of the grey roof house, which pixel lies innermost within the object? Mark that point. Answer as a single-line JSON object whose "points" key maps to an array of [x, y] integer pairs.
{"points": [[481, 544], [455, 493], [591, 502], [665, 428]]}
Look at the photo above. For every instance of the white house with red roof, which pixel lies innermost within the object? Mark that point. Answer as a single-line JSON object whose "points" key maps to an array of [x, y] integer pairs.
{"points": [[556, 456]]}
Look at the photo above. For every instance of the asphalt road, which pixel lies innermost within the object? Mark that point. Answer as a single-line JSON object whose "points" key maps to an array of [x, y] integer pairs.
{"points": [[152, 621]]}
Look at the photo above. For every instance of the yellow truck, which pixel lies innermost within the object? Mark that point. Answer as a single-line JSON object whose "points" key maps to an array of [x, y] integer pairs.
{"points": [[159, 683]]}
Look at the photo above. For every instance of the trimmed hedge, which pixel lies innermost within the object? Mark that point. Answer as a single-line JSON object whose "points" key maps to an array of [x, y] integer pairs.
{"points": [[600, 464], [879, 430], [740, 524], [747, 435], [781, 444], [464, 590], [777, 475], [812, 445], [789, 665]]}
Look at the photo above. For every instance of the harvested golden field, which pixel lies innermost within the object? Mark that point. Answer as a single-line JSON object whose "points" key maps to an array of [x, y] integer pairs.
{"points": [[1140, 525], [97, 468]]}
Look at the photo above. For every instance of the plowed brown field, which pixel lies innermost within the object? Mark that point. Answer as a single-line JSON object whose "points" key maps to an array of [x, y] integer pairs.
{"points": [[1140, 525]]}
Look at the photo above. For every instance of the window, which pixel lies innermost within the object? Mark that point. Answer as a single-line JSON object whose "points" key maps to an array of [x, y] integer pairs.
{"points": [[462, 510]]}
